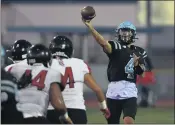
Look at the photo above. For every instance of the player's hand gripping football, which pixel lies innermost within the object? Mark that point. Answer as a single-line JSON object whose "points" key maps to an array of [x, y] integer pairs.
{"points": [[86, 22], [87, 14]]}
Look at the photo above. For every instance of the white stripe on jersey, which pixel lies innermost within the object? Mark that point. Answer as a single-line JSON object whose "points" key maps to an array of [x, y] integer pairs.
{"points": [[145, 56], [7, 89], [8, 86], [117, 45], [8, 83], [144, 53]]}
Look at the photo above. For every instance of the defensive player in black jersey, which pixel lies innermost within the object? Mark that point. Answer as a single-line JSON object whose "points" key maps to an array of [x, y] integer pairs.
{"points": [[9, 113], [126, 61]]}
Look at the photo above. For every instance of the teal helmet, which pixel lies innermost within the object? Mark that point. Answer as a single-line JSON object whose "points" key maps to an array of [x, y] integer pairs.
{"points": [[126, 33]]}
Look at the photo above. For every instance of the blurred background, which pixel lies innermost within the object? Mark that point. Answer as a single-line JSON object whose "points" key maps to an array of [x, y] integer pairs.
{"points": [[39, 20]]}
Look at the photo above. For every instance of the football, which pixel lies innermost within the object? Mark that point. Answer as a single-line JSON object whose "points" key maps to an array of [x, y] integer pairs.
{"points": [[88, 13]]}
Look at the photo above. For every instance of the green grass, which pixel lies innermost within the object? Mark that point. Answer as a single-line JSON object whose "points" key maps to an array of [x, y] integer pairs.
{"points": [[144, 116]]}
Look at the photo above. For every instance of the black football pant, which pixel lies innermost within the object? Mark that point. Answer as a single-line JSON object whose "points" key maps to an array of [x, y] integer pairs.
{"points": [[78, 116], [9, 114], [35, 120], [116, 107]]}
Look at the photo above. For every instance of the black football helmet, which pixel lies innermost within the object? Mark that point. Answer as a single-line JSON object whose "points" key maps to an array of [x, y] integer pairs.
{"points": [[19, 49], [61, 46], [38, 54]]}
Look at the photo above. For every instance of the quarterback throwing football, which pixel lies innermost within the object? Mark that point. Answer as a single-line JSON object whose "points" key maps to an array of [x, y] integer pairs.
{"points": [[126, 61]]}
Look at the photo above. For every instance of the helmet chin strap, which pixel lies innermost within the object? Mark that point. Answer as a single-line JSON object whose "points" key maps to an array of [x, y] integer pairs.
{"points": [[128, 43], [49, 64], [15, 61], [10, 59], [73, 52]]}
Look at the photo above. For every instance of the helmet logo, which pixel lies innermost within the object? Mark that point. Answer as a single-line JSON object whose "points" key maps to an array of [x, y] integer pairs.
{"points": [[63, 46]]}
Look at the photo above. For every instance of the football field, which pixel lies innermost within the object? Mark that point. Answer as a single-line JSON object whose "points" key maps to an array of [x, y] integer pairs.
{"points": [[144, 116]]}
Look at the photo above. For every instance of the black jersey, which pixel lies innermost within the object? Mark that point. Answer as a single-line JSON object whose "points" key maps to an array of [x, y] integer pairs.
{"points": [[9, 113], [121, 62], [8, 86]]}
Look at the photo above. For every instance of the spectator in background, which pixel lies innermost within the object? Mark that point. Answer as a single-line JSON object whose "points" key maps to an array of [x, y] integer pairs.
{"points": [[146, 86]]}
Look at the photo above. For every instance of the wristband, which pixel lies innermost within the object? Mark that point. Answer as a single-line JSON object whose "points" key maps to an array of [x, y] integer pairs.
{"points": [[103, 105], [66, 115], [138, 70]]}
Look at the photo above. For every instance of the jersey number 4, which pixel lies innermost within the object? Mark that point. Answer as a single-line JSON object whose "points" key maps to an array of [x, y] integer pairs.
{"points": [[39, 79], [129, 69], [68, 75]]}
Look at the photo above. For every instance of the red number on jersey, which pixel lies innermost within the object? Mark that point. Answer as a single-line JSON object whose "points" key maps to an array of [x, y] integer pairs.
{"points": [[68, 75], [39, 79]]}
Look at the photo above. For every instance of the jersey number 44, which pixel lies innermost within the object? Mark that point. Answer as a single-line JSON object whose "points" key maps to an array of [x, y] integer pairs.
{"points": [[39, 79]]}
